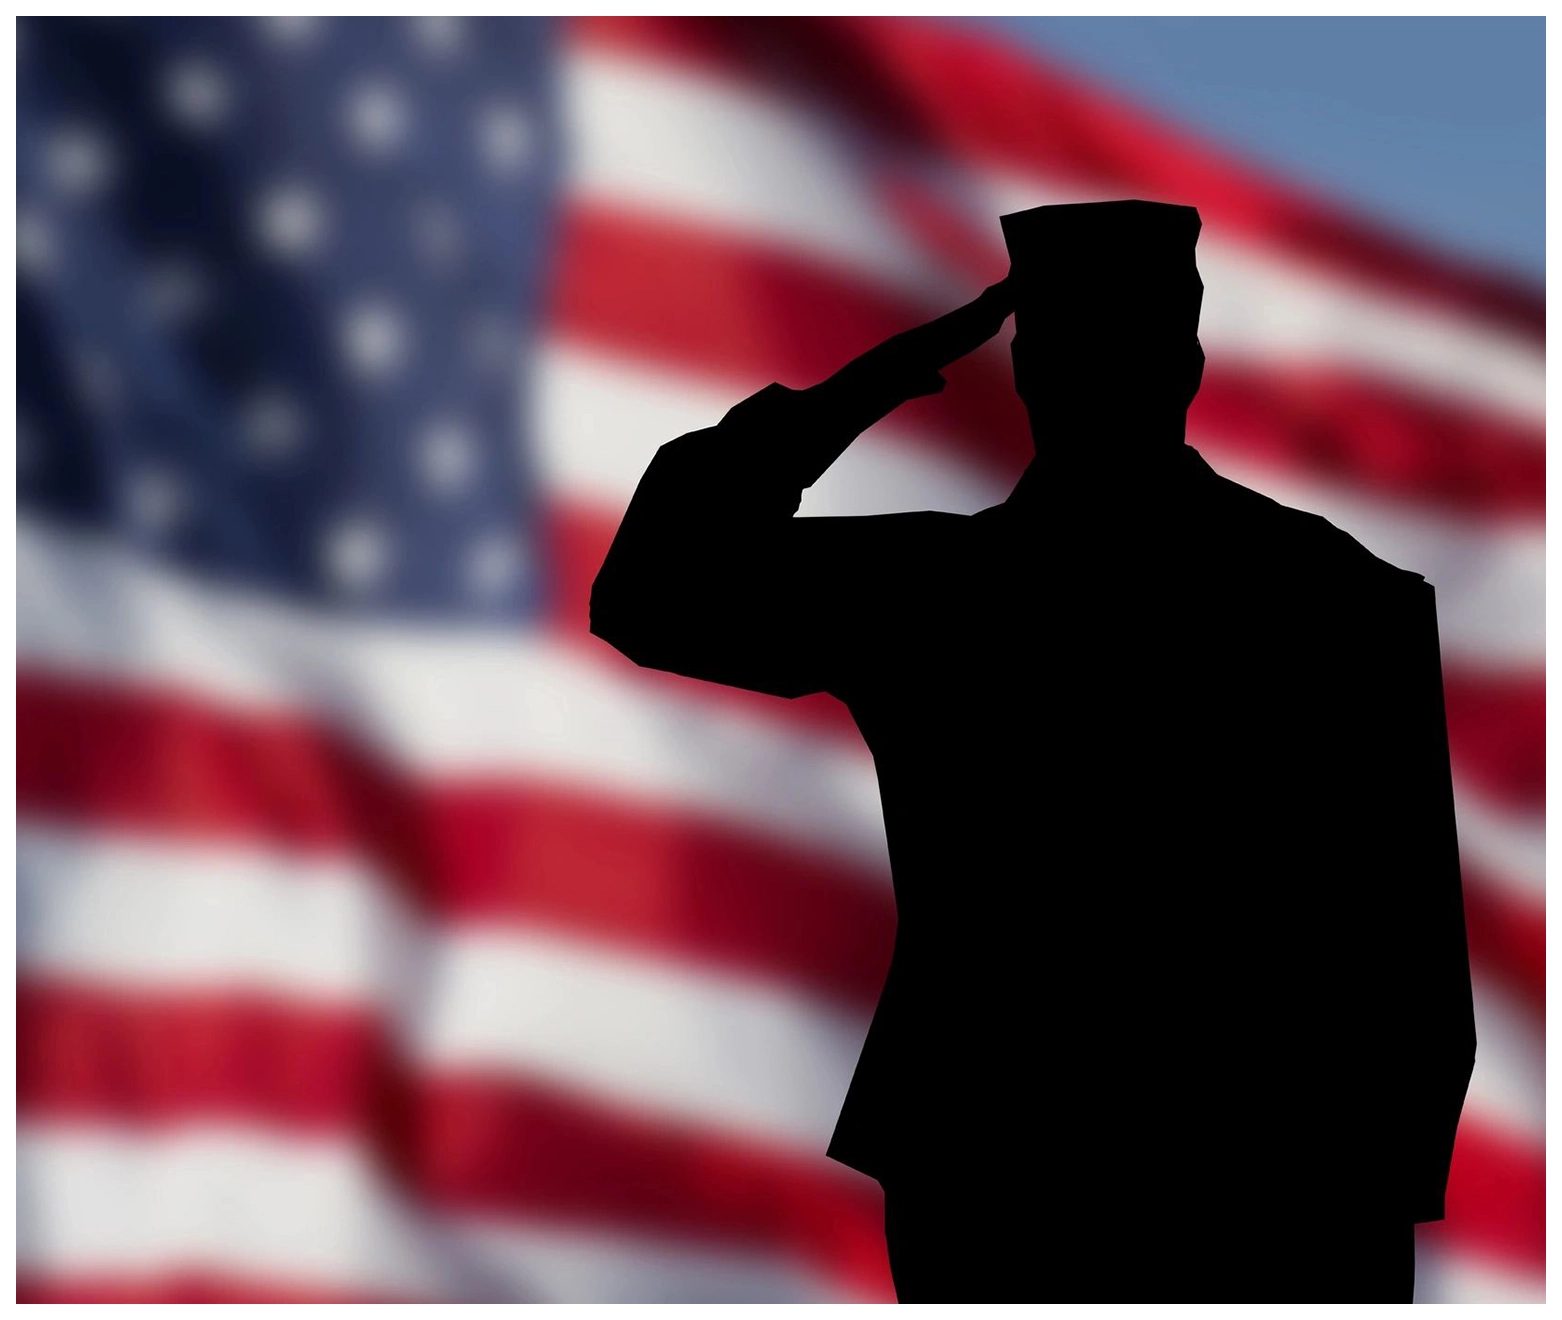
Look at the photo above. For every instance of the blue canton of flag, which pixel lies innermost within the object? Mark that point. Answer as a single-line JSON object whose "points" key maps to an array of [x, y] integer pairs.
{"points": [[275, 277]]}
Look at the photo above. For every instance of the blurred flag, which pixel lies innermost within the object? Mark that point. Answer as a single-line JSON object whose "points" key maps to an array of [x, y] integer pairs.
{"points": [[381, 933]]}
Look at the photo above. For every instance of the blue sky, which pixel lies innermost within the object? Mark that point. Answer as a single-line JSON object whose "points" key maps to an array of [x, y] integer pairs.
{"points": [[1436, 125]]}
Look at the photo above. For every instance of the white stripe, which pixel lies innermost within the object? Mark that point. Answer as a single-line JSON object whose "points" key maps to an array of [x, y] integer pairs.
{"points": [[647, 138], [1508, 847], [723, 1050], [297, 1211], [447, 701], [441, 700], [118, 910], [1508, 1086], [547, 1262], [1445, 1275], [703, 149], [1260, 306], [1261, 309], [601, 419], [1490, 574], [720, 1050]]}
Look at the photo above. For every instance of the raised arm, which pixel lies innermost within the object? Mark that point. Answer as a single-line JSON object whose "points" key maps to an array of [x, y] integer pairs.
{"points": [[711, 576]]}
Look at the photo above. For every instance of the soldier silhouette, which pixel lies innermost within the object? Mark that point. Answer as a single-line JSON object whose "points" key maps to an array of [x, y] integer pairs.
{"points": [[1179, 1007]]}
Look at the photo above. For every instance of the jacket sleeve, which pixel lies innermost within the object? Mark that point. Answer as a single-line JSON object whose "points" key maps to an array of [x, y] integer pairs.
{"points": [[1438, 1014], [710, 575]]}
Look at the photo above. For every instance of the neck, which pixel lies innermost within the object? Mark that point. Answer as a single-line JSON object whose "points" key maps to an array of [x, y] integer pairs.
{"points": [[1062, 471], [1114, 422]]}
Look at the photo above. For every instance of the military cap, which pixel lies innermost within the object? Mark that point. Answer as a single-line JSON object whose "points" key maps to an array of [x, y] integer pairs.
{"points": [[1104, 258]]}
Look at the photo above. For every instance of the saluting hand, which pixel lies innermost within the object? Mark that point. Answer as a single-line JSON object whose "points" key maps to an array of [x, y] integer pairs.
{"points": [[914, 358], [824, 418]]}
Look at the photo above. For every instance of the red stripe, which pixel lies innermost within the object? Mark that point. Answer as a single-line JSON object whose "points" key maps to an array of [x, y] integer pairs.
{"points": [[704, 303], [512, 1146], [585, 1162], [1497, 730], [530, 853], [701, 301], [85, 1052], [951, 93], [1496, 1199], [1507, 936], [472, 1143], [1327, 421]]}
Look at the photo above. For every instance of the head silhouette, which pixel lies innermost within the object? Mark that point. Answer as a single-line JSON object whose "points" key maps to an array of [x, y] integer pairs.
{"points": [[1106, 349]]}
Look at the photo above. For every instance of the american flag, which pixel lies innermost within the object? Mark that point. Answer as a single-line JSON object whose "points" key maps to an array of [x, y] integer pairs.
{"points": [[381, 934]]}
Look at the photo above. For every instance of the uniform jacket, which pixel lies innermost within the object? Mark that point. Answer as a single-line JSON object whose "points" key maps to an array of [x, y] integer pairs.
{"points": [[1165, 781]]}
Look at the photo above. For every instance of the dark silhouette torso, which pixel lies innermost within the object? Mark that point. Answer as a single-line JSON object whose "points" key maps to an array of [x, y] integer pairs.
{"points": [[1133, 763]]}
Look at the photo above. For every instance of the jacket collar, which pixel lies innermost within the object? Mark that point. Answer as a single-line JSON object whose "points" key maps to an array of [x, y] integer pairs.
{"points": [[1061, 475]]}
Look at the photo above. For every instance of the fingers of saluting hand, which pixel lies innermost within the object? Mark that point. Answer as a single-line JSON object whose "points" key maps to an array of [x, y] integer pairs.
{"points": [[980, 319], [908, 365], [997, 296], [953, 335]]}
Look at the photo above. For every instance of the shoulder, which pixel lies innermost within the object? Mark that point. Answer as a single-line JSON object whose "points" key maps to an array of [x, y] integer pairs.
{"points": [[1313, 543]]}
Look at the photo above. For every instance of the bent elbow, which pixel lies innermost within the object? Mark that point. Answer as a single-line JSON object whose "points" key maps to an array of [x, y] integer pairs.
{"points": [[619, 615], [608, 618]]}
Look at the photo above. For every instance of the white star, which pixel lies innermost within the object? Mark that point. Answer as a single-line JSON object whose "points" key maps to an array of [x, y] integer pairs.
{"points": [[357, 554], [272, 424], [505, 138], [437, 233], [79, 161], [447, 456], [374, 338], [290, 221], [491, 342], [97, 380], [292, 31], [175, 291], [376, 117], [155, 501], [36, 251], [439, 37], [197, 93], [492, 565]]}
